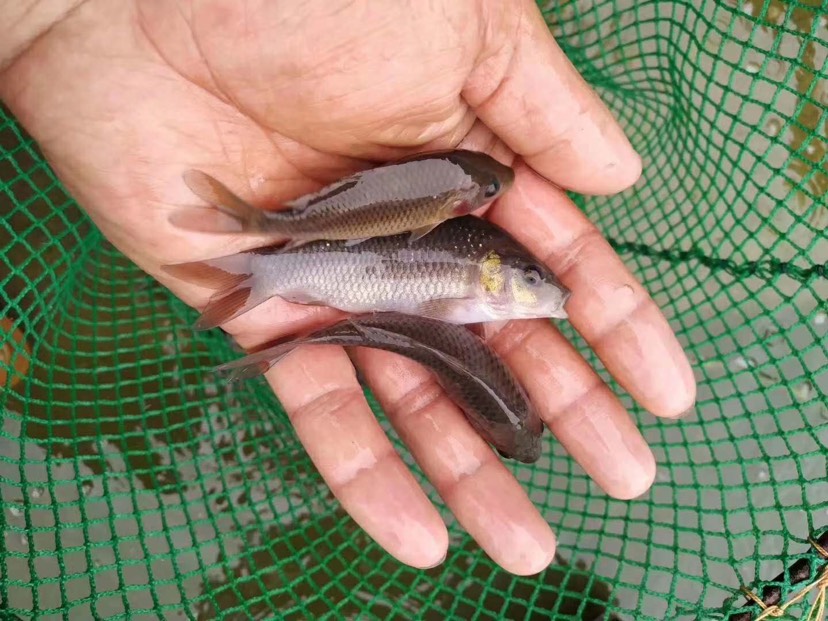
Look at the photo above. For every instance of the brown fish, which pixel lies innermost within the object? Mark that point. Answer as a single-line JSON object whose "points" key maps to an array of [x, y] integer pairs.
{"points": [[413, 194], [470, 372]]}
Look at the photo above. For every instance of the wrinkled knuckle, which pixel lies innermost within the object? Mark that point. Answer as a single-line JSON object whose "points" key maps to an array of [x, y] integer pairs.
{"points": [[329, 403], [416, 401], [346, 474], [566, 412], [572, 255], [516, 335], [448, 489], [607, 328]]}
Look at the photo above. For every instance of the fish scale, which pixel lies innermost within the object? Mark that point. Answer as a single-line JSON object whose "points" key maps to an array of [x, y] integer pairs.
{"points": [[380, 268], [430, 184], [467, 270]]}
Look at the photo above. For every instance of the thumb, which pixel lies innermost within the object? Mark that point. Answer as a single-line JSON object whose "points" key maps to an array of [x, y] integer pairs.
{"points": [[526, 91]]}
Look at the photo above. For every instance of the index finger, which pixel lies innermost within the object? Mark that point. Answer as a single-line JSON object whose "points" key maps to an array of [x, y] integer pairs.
{"points": [[608, 307], [528, 92]]}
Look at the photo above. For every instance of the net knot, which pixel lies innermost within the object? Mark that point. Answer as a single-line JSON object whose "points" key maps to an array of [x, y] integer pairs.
{"points": [[819, 586], [771, 611], [767, 611]]}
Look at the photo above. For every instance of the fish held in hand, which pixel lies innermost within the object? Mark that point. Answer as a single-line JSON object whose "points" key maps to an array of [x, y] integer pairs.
{"points": [[468, 370], [412, 195], [468, 270]]}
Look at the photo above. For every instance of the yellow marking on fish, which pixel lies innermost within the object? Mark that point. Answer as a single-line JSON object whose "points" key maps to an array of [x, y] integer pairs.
{"points": [[522, 294], [491, 273]]}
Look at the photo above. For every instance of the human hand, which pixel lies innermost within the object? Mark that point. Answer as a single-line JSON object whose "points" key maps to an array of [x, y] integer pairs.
{"points": [[278, 98]]}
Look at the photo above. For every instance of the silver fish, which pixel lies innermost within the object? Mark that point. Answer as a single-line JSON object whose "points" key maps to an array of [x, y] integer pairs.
{"points": [[470, 372], [467, 270], [411, 195]]}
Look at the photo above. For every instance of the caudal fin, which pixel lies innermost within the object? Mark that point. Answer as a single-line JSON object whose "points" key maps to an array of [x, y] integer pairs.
{"points": [[230, 214], [258, 363], [231, 277]]}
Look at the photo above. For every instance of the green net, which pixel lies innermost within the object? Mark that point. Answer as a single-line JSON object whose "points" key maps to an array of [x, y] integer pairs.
{"points": [[135, 485]]}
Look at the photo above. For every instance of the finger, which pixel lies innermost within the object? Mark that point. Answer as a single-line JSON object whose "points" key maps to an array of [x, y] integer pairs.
{"points": [[610, 309], [577, 406], [526, 90], [319, 391], [486, 499]]}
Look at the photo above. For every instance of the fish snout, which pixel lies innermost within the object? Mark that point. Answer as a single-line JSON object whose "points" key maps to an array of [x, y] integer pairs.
{"points": [[527, 447]]}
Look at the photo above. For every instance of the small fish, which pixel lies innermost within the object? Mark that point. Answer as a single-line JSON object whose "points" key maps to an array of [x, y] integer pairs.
{"points": [[464, 365], [413, 195], [467, 270]]}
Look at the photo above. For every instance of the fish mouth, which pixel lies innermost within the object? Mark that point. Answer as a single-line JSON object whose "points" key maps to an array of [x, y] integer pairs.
{"points": [[559, 311], [562, 313], [528, 454], [507, 177], [526, 446], [523, 457]]}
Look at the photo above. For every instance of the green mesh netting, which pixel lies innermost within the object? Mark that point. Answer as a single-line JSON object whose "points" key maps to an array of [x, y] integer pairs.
{"points": [[135, 485]]}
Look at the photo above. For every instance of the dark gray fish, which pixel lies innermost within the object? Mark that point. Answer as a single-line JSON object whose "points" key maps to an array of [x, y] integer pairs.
{"points": [[465, 366], [411, 195], [467, 270]]}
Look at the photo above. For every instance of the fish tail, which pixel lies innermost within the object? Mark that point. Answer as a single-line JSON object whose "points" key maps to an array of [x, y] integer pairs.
{"points": [[219, 273], [230, 214], [257, 364], [231, 277], [227, 305]]}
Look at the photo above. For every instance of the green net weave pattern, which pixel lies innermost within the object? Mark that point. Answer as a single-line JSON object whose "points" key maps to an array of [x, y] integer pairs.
{"points": [[136, 485]]}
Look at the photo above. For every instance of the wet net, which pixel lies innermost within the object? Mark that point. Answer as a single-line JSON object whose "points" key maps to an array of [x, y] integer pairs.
{"points": [[135, 485]]}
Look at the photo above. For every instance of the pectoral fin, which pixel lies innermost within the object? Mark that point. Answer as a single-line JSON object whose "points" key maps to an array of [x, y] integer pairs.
{"points": [[257, 363], [227, 305], [421, 231], [452, 310], [354, 242], [294, 243], [301, 297]]}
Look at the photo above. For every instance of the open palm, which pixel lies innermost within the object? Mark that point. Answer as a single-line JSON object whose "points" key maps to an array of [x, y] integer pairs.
{"points": [[278, 98]]}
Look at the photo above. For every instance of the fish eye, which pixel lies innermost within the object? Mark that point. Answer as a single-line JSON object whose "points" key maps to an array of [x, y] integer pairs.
{"points": [[492, 189], [532, 275]]}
